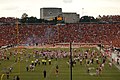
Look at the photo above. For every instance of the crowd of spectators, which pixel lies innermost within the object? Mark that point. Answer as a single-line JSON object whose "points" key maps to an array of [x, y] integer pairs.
{"points": [[92, 33], [111, 18], [78, 33], [7, 20], [7, 35]]}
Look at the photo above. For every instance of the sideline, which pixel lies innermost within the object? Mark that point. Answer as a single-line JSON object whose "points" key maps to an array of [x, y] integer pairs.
{"points": [[117, 66]]}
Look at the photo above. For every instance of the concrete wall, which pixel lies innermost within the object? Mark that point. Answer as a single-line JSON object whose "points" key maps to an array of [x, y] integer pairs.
{"points": [[50, 13], [71, 17]]}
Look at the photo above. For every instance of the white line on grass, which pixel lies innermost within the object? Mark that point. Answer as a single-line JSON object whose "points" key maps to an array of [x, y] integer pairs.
{"points": [[9, 66], [117, 66], [50, 70]]}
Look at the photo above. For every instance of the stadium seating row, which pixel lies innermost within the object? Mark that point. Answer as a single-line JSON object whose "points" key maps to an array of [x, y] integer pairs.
{"points": [[82, 33]]}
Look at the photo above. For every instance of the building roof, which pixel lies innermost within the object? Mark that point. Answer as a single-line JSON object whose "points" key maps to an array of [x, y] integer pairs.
{"points": [[50, 8]]}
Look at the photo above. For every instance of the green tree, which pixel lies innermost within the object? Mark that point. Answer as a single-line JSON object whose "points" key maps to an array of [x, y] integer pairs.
{"points": [[24, 18]]}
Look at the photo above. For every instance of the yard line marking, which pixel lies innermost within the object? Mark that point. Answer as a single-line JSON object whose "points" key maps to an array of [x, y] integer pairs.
{"points": [[51, 68], [117, 66], [2, 76]]}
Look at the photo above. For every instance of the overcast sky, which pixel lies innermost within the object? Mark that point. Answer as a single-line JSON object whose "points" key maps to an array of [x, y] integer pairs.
{"points": [[15, 8]]}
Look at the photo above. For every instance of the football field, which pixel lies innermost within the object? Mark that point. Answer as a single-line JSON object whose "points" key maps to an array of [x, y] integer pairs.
{"points": [[20, 61]]}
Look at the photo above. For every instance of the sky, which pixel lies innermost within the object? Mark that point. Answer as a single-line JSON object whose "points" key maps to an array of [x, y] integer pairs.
{"points": [[15, 8]]}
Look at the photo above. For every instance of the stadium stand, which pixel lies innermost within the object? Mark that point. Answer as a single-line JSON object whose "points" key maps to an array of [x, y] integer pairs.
{"points": [[80, 33], [111, 18], [7, 20]]}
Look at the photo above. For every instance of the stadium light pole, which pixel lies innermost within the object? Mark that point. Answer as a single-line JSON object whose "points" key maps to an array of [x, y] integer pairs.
{"points": [[71, 63], [82, 11]]}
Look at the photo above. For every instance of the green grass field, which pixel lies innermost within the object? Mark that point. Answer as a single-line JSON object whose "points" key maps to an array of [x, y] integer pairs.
{"points": [[79, 71]]}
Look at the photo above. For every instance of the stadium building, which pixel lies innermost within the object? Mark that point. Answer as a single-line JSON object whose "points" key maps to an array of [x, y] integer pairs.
{"points": [[70, 17], [50, 13]]}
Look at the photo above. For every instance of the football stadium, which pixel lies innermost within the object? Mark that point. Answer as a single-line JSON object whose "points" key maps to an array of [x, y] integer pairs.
{"points": [[60, 46]]}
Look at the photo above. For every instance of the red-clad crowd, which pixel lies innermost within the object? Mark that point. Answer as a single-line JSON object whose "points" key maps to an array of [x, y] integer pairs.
{"points": [[92, 33], [39, 33]]}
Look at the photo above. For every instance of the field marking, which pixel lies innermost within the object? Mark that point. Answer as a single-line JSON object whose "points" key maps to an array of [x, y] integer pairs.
{"points": [[51, 69], [10, 66], [117, 66], [2, 76]]}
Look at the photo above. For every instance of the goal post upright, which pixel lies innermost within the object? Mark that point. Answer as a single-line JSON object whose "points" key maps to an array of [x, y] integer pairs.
{"points": [[71, 63], [17, 30]]}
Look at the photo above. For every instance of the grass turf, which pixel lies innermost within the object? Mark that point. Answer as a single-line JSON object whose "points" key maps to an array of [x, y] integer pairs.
{"points": [[79, 71]]}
